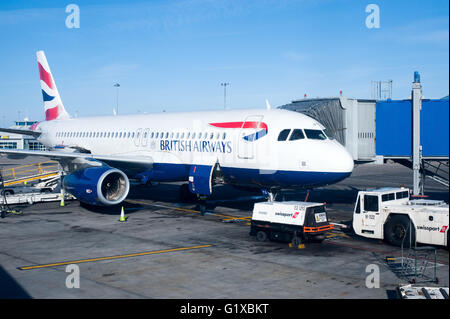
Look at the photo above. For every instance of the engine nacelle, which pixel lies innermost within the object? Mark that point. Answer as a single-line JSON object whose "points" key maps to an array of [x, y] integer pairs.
{"points": [[101, 185]]}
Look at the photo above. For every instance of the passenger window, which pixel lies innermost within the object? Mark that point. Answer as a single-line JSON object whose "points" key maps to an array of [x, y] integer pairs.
{"points": [[388, 197], [315, 135], [401, 195], [199, 135], [297, 134], [283, 135], [193, 135], [371, 203]]}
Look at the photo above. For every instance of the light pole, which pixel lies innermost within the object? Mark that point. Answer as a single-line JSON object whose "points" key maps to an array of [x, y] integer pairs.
{"points": [[117, 85], [225, 84]]}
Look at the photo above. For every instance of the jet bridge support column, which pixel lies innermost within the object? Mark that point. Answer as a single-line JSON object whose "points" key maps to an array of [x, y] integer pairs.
{"points": [[416, 97]]}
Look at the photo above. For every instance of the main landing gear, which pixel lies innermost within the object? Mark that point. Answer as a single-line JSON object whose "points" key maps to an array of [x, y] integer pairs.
{"points": [[186, 196], [271, 194]]}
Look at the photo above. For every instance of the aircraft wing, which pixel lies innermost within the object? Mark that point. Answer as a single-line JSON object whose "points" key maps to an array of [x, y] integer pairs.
{"points": [[18, 131], [119, 161]]}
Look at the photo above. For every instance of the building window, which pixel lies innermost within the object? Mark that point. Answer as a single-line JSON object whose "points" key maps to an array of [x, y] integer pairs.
{"points": [[8, 145]]}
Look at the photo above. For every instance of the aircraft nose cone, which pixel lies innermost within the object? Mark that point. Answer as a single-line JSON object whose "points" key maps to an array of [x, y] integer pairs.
{"points": [[347, 161]]}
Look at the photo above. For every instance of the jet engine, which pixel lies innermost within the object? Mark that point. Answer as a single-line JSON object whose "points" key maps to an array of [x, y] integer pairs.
{"points": [[100, 186]]}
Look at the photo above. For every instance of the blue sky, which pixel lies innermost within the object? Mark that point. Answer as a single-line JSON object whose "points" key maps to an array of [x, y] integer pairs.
{"points": [[173, 55]]}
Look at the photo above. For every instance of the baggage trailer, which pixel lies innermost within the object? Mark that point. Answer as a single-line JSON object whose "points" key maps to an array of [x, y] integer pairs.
{"points": [[389, 213], [292, 221]]}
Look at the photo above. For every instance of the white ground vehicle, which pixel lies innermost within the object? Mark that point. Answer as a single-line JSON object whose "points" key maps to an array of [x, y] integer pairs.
{"points": [[289, 221], [388, 213]]}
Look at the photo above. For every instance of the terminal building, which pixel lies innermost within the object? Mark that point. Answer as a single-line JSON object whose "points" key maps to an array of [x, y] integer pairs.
{"points": [[19, 141]]}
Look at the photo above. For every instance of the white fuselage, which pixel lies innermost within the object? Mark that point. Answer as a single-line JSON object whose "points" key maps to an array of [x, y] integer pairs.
{"points": [[243, 142]]}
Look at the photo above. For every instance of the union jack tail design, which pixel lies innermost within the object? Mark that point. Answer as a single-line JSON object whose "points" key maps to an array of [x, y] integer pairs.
{"points": [[54, 108]]}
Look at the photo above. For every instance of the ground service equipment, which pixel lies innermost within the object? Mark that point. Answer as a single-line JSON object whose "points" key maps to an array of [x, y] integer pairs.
{"points": [[389, 213], [290, 221]]}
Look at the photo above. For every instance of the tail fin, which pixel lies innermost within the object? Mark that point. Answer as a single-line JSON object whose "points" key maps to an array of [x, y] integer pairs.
{"points": [[54, 108]]}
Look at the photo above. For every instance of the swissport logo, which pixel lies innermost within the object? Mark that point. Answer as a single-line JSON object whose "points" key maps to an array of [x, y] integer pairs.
{"points": [[443, 229], [260, 127], [295, 215]]}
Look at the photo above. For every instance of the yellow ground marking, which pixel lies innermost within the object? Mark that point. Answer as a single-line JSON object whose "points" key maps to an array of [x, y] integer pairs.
{"points": [[332, 235], [112, 257], [226, 217], [237, 218]]}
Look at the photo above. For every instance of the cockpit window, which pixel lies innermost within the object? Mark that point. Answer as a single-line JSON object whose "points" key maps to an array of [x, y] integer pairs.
{"points": [[315, 134], [283, 135], [297, 134], [328, 134]]}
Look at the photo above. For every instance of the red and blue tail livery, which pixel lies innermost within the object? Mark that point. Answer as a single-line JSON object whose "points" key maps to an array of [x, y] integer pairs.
{"points": [[54, 108]]}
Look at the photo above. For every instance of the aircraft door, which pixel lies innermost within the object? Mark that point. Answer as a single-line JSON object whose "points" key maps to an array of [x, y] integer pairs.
{"points": [[200, 179], [247, 136]]}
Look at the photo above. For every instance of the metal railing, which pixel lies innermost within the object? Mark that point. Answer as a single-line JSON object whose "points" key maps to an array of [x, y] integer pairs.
{"points": [[17, 173]]}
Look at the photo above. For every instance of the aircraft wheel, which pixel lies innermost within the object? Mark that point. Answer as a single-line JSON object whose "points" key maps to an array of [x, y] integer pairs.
{"points": [[296, 240], [186, 195]]}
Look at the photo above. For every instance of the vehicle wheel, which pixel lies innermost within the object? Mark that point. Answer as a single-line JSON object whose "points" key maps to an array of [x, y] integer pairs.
{"points": [[8, 192], [318, 239], [397, 230], [261, 236]]}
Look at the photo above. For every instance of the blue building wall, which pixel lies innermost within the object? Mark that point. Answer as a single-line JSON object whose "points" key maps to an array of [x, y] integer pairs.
{"points": [[394, 128]]}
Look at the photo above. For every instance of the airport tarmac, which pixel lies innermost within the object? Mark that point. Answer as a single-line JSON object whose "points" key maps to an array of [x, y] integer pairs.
{"points": [[167, 249]]}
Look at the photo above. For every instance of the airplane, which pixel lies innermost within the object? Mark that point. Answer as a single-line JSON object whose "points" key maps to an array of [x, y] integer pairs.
{"points": [[267, 149]]}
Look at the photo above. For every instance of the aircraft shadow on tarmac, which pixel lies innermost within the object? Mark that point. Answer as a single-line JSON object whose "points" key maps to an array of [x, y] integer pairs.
{"points": [[9, 288], [231, 197]]}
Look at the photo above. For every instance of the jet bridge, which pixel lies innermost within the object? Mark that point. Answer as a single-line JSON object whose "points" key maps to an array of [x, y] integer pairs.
{"points": [[350, 121], [412, 132]]}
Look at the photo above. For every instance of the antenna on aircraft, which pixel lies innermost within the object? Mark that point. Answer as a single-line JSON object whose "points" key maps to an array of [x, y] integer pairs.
{"points": [[225, 84], [117, 85], [267, 104]]}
